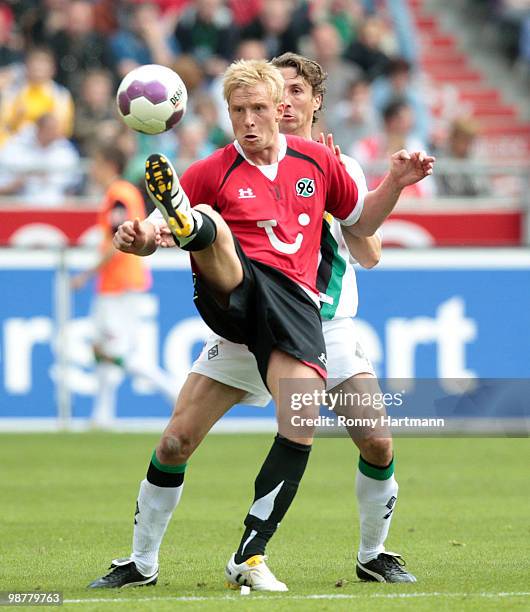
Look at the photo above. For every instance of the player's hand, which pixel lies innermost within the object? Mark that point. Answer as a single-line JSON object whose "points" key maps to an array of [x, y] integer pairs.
{"points": [[409, 168], [130, 237], [327, 141], [163, 236]]}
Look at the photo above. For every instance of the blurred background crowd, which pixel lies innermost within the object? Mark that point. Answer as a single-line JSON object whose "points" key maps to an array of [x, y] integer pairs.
{"points": [[396, 79]]}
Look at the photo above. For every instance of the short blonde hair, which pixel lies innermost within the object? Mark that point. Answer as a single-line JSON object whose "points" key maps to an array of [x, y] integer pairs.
{"points": [[249, 73]]}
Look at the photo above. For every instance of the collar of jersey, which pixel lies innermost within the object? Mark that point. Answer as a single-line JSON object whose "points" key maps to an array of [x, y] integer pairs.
{"points": [[281, 152]]}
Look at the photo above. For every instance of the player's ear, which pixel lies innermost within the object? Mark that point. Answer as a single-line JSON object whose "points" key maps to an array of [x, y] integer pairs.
{"points": [[317, 102], [279, 112]]}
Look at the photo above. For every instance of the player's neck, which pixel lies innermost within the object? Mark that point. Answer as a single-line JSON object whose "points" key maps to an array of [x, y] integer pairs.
{"points": [[265, 157]]}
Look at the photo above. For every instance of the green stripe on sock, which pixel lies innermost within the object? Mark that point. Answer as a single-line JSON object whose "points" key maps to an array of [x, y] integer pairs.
{"points": [[374, 471], [169, 469]]}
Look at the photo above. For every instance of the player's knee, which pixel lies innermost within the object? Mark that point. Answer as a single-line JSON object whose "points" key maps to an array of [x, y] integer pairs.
{"points": [[206, 208], [378, 451], [174, 449]]}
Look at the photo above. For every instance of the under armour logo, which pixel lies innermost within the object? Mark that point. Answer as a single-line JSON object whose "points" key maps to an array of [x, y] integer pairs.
{"points": [[390, 505], [323, 359], [245, 194]]}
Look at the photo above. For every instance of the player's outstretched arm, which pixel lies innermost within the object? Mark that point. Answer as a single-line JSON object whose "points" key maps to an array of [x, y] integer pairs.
{"points": [[405, 169], [136, 237]]}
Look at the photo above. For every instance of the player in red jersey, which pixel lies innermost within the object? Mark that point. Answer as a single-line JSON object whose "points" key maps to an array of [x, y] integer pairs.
{"points": [[263, 297]]}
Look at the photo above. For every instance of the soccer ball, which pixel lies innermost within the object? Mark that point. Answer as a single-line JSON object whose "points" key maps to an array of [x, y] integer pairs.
{"points": [[152, 99]]}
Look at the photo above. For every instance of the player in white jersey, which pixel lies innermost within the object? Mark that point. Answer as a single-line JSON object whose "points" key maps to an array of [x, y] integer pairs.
{"points": [[227, 374]]}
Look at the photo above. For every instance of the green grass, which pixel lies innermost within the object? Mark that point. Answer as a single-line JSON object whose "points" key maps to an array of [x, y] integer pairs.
{"points": [[67, 502]]}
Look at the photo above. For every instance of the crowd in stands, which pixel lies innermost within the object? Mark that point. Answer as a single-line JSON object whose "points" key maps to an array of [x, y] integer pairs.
{"points": [[61, 62], [512, 20]]}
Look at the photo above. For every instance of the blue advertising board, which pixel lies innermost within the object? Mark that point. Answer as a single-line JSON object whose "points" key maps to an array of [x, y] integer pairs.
{"points": [[423, 314]]}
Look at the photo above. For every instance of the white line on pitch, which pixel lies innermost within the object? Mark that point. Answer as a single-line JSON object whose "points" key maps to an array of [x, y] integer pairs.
{"points": [[322, 596]]}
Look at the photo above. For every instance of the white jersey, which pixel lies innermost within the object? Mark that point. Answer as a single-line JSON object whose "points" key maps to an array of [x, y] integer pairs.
{"points": [[336, 281]]}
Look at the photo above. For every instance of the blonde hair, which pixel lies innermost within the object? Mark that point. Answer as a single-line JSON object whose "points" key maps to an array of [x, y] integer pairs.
{"points": [[249, 73]]}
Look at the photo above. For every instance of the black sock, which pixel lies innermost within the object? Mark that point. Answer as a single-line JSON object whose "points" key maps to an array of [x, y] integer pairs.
{"points": [[203, 237], [274, 491], [165, 475]]}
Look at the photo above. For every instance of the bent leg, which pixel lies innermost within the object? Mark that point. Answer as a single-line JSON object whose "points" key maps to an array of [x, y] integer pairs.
{"points": [[201, 402], [219, 264]]}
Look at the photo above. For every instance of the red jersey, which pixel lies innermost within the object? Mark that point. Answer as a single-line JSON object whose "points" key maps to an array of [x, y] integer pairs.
{"points": [[277, 222]]}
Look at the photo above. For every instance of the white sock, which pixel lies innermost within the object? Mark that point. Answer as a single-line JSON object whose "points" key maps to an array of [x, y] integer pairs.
{"points": [[155, 506], [109, 377], [376, 499]]}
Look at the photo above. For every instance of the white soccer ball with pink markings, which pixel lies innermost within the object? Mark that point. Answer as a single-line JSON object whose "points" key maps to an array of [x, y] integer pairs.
{"points": [[152, 99]]}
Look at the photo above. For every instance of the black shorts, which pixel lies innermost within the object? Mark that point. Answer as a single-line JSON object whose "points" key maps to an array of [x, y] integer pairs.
{"points": [[266, 311]]}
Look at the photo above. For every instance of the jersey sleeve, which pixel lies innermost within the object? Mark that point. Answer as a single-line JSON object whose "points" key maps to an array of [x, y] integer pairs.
{"points": [[345, 197], [353, 168]]}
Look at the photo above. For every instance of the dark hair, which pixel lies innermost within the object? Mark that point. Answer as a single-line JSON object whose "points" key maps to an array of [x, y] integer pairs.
{"points": [[113, 155], [398, 65], [40, 50], [311, 71], [352, 85], [393, 108]]}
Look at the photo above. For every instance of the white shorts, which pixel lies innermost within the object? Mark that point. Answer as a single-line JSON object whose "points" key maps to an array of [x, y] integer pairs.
{"points": [[234, 365], [116, 320]]}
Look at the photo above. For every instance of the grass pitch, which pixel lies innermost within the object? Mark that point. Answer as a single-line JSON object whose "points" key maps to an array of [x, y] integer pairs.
{"points": [[461, 522]]}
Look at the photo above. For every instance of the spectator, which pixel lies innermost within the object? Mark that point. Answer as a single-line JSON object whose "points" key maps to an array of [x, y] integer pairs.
{"points": [[250, 48], [396, 135], [41, 22], [95, 116], [345, 16], [206, 110], [77, 48], [193, 143], [355, 117], [244, 11], [10, 51], [37, 95], [206, 31], [278, 27], [144, 42], [367, 51], [327, 51], [191, 72], [105, 17], [398, 82], [39, 164], [461, 147]]}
